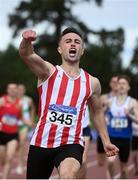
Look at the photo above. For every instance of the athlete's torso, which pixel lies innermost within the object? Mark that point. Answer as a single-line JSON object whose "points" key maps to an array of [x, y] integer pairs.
{"points": [[9, 115], [62, 101], [119, 124]]}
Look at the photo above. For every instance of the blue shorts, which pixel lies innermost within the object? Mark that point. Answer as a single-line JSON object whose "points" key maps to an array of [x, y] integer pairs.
{"points": [[87, 131]]}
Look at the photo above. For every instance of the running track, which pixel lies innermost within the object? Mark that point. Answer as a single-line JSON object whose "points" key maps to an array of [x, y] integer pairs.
{"points": [[93, 170]]}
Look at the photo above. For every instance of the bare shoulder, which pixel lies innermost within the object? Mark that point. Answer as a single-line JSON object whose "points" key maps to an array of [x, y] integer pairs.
{"points": [[133, 103], [50, 66], [30, 100], [96, 86], [104, 97]]}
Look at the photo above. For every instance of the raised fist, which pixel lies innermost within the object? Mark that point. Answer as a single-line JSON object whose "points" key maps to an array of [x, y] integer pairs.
{"points": [[29, 35]]}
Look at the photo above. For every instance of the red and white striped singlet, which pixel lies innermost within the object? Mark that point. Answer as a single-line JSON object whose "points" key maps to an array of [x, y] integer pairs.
{"points": [[62, 101]]}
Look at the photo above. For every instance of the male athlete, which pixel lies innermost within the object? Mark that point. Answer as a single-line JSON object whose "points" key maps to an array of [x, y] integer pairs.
{"points": [[28, 113], [123, 110], [64, 92], [101, 156], [10, 112]]}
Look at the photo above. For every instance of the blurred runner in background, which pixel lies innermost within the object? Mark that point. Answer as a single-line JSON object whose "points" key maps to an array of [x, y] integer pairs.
{"points": [[28, 113], [10, 112], [101, 156], [122, 111], [135, 147]]}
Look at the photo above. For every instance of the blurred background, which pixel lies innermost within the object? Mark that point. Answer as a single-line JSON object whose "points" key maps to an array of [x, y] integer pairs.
{"points": [[110, 28]]}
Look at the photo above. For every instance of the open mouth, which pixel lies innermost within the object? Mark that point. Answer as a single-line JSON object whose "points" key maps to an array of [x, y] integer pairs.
{"points": [[72, 52]]}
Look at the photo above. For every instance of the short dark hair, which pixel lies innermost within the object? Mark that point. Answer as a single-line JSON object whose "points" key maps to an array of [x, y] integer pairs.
{"points": [[127, 78], [70, 30]]}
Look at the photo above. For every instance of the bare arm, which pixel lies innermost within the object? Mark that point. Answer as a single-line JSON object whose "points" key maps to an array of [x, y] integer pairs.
{"points": [[104, 102], [99, 119], [37, 65], [133, 111]]}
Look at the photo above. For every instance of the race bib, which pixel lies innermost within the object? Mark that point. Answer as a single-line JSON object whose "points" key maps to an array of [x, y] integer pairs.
{"points": [[62, 115], [9, 120], [119, 123]]}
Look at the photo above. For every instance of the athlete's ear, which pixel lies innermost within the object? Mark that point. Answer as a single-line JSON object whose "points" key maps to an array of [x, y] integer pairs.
{"points": [[82, 51], [59, 49]]}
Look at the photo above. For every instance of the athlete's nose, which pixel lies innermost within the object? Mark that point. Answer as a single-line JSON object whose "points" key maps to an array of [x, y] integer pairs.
{"points": [[72, 44]]}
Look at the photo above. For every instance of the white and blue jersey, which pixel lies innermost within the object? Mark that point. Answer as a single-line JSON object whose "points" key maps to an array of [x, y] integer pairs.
{"points": [[86, 118], [109, 97], [119, 124], [135, 129]]}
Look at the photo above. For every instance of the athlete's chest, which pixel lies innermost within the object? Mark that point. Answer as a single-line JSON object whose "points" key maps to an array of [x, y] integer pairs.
{"points": [[12, 108]]}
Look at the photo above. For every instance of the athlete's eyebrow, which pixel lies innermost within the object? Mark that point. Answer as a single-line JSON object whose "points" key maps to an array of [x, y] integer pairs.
{"points": [[70, 39], [78, 40]]}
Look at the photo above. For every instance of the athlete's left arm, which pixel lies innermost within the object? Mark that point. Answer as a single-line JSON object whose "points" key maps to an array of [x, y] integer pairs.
{"points": [[99, 120], [133, 111]]}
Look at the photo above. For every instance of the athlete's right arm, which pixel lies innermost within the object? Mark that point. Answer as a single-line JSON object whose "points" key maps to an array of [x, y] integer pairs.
{"points": [[42, 69], [133, 111]]}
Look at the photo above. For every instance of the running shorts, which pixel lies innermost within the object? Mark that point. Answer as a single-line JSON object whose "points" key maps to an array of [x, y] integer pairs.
{"points": [[6, 137], [41, 161]]}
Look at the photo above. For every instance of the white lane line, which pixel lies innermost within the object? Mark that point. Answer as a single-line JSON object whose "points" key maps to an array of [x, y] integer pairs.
{"points": [[131, 166]]}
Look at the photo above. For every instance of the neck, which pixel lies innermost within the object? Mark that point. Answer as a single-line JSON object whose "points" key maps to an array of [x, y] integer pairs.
{"points": [[11, 98], [122, 97], [72, 69]]}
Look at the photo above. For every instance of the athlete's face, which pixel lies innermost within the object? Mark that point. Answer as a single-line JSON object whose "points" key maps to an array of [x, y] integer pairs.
{"points": [[114, 84], [123, 86], [12, 90], [21, 90], [71, 47]]}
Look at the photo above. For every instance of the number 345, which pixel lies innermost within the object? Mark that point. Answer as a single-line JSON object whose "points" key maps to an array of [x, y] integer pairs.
{"points": [[65, 119]]}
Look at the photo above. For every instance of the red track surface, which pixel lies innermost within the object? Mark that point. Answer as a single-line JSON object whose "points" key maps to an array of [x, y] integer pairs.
{"points": [[93, 170]]}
